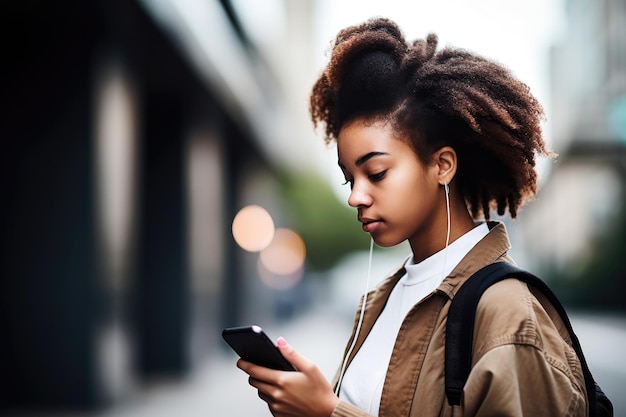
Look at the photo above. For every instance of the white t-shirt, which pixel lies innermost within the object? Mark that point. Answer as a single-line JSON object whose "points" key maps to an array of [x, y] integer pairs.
{"points": [[362, 383]]}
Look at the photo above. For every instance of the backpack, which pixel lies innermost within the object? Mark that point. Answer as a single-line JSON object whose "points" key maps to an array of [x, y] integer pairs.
{"points": [[460, 331]]}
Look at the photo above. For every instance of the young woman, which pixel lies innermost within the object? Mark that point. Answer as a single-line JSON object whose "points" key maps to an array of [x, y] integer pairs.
{"points": [[430, 141]]}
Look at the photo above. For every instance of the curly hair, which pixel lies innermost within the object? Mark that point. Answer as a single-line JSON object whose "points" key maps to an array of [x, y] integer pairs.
{"points": [[436, 98]]}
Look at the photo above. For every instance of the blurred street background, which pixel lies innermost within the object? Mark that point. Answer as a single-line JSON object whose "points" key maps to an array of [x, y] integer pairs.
{"points": [[160, 180]]}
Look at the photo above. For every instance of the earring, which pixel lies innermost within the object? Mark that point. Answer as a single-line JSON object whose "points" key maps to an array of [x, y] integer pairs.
{"points": [[446, 188]]}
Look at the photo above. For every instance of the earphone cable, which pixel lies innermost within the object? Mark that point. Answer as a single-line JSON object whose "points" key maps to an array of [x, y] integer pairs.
{"points": [[445, 254], [358, 327]]}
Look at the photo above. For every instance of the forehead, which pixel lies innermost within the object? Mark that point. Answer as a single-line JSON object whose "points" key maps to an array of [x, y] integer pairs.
{"points": [[363, 136]]}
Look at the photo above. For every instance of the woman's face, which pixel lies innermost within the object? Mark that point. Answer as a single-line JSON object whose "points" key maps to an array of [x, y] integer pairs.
{"points": [[397, 197]]}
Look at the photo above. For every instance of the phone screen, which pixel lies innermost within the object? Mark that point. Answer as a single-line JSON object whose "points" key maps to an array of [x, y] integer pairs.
{"points": [[252, 344]]}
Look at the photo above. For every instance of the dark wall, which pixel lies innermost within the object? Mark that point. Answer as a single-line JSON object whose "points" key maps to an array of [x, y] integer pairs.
{"points": [[48, 299], [162, 284]]}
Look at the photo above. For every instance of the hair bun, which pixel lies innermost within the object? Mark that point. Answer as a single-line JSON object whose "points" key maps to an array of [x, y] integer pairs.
{"points": [[372, 81]]}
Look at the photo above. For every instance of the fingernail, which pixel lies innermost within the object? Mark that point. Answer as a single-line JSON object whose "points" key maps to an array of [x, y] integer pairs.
{"points": [[281, 342]]}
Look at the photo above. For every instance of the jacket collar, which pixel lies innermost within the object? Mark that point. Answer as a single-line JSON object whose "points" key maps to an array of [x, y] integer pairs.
{"points": [[494, 246]]}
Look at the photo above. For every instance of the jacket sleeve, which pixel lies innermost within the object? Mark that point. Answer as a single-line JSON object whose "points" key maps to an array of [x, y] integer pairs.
{"points": [[345, 409], [520, 380]]}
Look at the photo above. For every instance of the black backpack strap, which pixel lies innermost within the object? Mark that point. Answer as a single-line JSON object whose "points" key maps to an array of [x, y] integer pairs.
{"points": [[460, 330]]}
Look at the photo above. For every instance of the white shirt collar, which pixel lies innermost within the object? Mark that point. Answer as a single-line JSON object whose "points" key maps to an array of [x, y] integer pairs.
{"points": [[433, 266]]}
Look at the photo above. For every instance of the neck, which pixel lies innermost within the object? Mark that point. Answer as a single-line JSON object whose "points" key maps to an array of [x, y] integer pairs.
{"points": [[433, 239]]}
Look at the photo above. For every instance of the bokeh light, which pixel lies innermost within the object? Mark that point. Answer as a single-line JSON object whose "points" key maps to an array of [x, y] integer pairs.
{"points": [[281, 264], [278, 281], [285, 254], [253, 228]]}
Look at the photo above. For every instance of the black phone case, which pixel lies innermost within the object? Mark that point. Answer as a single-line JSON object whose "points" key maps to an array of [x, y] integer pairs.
{"points": [[252, 344]]}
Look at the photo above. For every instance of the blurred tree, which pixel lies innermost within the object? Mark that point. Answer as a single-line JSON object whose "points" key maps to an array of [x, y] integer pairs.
{"points": [[328, 227]]}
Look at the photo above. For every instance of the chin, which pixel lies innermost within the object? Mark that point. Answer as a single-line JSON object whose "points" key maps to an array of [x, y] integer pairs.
{"points": [[385, 243]]}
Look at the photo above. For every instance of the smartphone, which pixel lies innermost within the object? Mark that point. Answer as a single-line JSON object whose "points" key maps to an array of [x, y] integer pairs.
{"points": [[252, 344]]}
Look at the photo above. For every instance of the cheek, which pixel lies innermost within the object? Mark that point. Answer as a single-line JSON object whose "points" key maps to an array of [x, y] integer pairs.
{"points": [[413, 183], [411, 208], [417, 199]]}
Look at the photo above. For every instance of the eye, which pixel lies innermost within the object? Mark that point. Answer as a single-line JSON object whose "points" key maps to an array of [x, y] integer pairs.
{"points": [[350, 182], [378, 176]]}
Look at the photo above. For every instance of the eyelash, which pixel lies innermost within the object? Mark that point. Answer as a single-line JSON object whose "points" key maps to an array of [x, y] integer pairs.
{"points": [[378, 176], [374, 178]]}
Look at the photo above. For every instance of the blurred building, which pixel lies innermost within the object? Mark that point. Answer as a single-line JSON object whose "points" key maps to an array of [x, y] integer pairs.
{"points": [[131, 133], [585, 193]]}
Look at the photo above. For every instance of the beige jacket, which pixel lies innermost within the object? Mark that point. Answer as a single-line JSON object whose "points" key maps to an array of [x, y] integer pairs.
{"points": [[522, 364]]}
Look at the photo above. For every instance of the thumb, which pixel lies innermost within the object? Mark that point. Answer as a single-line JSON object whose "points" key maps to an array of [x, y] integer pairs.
{"points": [[293, 357]]}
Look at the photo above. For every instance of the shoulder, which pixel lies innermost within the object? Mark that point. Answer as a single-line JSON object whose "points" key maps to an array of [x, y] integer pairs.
{"points": [[515, 337], [511, 310], [510, 314], [506, 314]]}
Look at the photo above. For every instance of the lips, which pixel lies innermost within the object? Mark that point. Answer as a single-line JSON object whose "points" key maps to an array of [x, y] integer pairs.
{"points": [[369, 225]]}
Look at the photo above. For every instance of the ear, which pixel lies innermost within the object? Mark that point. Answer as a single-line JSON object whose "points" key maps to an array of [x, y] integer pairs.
{"points": [[446, 161]]}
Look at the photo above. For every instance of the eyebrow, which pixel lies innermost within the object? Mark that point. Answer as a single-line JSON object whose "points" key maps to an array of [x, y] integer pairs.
{"points": [[364, 158]]}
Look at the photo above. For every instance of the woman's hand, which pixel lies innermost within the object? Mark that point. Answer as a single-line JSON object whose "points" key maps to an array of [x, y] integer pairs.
{"points": [[303, 393]]}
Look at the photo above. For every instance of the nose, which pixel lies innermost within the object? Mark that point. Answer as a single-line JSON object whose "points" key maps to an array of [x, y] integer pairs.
{"points": [[359, 196]]}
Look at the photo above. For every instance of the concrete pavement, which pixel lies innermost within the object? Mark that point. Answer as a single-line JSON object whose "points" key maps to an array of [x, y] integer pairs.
{"points": [[219, 389]]}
